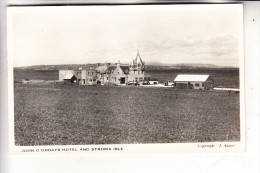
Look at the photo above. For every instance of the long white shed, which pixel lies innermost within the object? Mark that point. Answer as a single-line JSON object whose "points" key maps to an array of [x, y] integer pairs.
{"points": [[194, 81]]}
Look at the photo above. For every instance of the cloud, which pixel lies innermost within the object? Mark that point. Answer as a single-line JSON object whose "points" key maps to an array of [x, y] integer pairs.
{"points": [[211, 46], [219, 49]]}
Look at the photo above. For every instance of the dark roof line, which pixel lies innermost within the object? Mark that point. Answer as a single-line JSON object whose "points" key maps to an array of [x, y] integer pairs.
{"points": [[125, 69]]}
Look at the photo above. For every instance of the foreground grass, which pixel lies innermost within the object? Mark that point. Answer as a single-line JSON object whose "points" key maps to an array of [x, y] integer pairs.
{"points": [[123, 115]]}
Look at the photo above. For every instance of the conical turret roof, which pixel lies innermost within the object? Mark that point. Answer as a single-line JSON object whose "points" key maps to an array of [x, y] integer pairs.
{"points": [[138, 58]]}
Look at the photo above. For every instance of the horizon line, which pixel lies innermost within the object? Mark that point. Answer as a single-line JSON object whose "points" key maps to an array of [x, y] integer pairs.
{"points": [[152, 64]]}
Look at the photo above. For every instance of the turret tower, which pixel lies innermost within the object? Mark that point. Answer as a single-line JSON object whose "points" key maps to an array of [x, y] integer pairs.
{"points": [[136, 69], [137, 64]]}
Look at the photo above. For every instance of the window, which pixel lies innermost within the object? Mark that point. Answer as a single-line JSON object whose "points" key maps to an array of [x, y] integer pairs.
{"points": [[202, 84], [94, 79], [92, 73], [88, 73], [197, 84], [107, 78], [90, 80]]}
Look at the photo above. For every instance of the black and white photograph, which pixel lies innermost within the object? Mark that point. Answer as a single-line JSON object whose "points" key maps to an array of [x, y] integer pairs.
{"points": [[100, 75]]}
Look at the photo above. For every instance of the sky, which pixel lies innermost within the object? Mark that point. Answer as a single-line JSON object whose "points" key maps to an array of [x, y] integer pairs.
{"points": [[168, 34]]}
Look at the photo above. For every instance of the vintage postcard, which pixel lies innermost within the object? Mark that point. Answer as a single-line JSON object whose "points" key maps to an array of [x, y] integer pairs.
{"points": [[126, 79]]}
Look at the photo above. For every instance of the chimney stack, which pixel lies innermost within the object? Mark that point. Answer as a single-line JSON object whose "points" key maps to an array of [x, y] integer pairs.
{"points": [[118, 64]]}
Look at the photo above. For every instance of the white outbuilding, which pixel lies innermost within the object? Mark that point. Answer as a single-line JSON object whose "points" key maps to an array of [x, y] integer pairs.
{"points": [[194, 81], [70, 78]]}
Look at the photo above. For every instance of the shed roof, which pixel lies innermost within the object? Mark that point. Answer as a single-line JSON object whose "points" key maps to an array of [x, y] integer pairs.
{"points": [[191, 78], [68, 76]]}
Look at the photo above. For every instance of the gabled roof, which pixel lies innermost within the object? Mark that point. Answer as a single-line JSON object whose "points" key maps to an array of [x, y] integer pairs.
{"points": [[125, 69], [68, 76], [110, 69], [191, 78], [101, 69]]}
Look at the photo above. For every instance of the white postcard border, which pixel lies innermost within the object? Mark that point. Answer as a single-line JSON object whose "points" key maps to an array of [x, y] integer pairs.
{"points": [[166, 148]]}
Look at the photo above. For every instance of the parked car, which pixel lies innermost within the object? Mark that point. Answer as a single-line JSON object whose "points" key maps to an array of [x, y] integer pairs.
{"points": [[146, 83], [132, 83], [169, 83]]}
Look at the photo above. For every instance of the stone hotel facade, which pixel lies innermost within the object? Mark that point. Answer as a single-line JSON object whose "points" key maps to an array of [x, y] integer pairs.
{"points": [[105, 74]]}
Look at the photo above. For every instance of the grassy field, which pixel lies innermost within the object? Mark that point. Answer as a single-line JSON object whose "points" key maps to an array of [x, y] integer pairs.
{"points": [[69, 115]]}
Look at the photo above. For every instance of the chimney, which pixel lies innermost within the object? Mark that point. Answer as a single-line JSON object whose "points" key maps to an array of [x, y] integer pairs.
{"points": [[118, 64]]}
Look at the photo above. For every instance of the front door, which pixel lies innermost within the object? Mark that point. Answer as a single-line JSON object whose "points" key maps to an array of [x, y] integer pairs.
{"points": [[122, 81]]}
